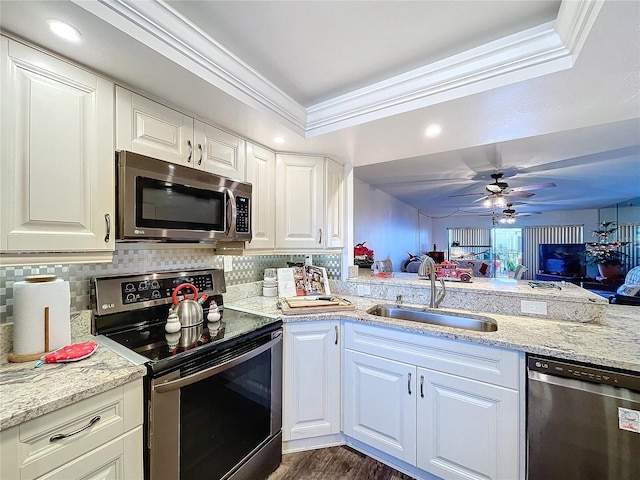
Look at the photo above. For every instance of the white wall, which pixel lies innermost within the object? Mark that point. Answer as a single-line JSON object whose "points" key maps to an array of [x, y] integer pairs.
{"points": [[390, 228]]}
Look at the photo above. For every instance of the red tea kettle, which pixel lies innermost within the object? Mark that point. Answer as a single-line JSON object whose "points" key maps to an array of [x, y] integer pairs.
{"points": [[189, 312]]}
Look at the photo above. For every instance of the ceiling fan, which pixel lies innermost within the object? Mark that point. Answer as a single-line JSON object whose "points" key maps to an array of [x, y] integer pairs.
{"points": [[507, 216], [498, 189]]}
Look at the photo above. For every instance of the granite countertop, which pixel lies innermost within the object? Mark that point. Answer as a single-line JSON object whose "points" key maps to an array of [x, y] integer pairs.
{"points": [[497, 286], [615, 342], [27, 392]]}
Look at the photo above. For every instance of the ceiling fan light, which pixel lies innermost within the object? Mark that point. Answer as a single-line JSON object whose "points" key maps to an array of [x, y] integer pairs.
{"points": [[499, 202], [487, 203]]}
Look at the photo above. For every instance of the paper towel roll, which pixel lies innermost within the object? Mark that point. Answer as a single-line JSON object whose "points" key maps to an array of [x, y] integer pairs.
{"points": [[29, 302]]}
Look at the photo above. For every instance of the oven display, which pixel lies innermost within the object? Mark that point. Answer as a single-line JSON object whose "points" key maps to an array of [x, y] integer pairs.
{"points": [[156, 289]]}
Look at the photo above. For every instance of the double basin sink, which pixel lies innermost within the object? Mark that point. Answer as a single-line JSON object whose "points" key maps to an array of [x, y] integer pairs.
{"points": [[477, 323]]}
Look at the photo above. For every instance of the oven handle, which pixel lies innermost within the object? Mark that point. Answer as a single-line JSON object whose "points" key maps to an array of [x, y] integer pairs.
{"points": [[209, 372]]}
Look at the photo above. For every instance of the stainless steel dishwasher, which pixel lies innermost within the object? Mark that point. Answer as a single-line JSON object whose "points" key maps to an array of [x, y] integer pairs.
{"points": [[583, 422]]}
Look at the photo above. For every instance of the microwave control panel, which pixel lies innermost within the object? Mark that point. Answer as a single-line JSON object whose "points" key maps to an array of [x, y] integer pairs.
{"points": [[243, 221]]}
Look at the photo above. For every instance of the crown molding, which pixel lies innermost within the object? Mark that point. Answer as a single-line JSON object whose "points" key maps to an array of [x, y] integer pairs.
{"points": [[537, 51], [161, 28], [540, 50]]}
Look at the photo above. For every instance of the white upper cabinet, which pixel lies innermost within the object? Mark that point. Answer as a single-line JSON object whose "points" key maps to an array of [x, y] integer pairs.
{"points": [[334, 197], [299, 202], [261, 173], [150, 128], [218, 152], [309, 203], [57, 155]]}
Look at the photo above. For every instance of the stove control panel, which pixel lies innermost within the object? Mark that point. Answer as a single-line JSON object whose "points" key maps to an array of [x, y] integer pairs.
{"points": [[156, 289], [125, 293]]}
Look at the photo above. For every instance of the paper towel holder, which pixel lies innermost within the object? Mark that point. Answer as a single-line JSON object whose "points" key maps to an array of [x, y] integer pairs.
{"points": [[12, 357]]}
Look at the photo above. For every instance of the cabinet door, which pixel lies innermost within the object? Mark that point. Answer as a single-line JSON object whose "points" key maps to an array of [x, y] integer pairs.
{"points": [[149, 128], [299, 202], [219, 152], [380, 404], [57, 154], [466, 429], [120, 459], [334, 196], [311, 379], [261, 173]]}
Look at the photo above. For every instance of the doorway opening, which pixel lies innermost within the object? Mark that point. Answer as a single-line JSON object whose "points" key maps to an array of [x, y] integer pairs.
{"points": [[507, 251]]}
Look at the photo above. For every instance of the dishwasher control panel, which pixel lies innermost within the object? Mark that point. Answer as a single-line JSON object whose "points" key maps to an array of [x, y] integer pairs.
{"points": [[581, 372]]}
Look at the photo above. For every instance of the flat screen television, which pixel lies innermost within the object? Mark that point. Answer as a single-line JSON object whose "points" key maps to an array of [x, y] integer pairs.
{"points": [[564, 259]]}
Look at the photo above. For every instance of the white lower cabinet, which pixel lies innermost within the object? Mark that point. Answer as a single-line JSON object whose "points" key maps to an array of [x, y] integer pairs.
{"points": [[466, 429], [380, 406], [447, 407], [102, 439], [311, 379]]}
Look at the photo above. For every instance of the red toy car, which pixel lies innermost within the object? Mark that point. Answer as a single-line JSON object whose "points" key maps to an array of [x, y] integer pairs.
{"points": [[452, 271]]}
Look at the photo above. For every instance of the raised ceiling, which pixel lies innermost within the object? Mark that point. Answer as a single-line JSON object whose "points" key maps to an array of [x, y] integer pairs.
{"points": [[544, 90]]}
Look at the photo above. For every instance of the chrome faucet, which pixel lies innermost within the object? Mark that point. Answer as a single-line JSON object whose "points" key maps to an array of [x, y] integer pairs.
{"points": [[428, 262]]}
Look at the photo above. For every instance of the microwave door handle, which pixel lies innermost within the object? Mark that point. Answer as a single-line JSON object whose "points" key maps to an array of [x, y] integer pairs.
{"points": [[234, 213]]}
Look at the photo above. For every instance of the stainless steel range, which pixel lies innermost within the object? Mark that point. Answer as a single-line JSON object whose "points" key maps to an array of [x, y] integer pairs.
{"points": [[213, 390]]}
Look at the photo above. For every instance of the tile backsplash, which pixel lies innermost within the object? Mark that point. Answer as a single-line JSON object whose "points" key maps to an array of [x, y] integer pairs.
{"points": [[133, 259]]}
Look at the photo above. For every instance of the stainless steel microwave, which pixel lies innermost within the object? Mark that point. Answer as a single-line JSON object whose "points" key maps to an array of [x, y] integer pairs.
{"points": [[161, 201]]}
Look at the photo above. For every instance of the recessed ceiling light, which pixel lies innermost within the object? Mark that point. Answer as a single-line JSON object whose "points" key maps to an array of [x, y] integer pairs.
{"points": [[279, 140], [64, 30], [433, 130]]}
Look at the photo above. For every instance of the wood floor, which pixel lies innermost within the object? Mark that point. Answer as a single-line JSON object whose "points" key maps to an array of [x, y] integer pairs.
{"points": [[335, 463]]}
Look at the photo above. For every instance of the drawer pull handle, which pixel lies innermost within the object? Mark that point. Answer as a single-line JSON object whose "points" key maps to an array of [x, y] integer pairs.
{"points": [[336, 327], [61, 436], [190, 151], [422, 386], [201, 153], [409, 383]]}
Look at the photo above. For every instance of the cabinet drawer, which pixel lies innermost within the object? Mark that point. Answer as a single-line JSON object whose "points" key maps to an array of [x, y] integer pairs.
{"points": [[119, 410], [494, 365]]}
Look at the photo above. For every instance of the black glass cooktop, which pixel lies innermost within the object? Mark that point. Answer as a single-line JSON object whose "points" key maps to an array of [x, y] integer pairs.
{"points": [[156, 344]]}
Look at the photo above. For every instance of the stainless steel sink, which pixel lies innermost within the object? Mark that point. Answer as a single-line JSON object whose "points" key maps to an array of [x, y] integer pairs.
{"points": [[449, 319]]}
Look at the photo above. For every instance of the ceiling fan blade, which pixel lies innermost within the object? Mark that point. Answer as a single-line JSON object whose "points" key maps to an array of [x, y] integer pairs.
{"points": [[481, 199], [537, 186], [512, 193], [467, 194]]}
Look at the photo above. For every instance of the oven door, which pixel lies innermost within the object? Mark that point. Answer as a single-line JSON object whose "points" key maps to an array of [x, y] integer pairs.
{"points": [[213, 419]]}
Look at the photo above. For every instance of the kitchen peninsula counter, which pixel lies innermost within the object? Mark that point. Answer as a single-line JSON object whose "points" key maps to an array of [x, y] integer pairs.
{"points": [[563, 301], [614, 342]]}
